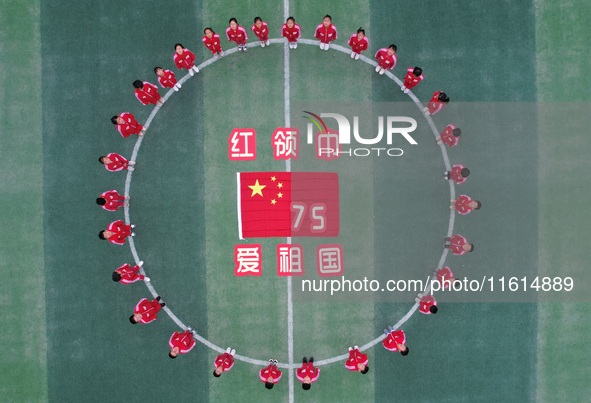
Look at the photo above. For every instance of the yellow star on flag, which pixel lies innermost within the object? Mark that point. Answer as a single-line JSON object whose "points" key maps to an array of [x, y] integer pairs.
{"points": [[257, 189], [280, 195], [273, 179], [273, 201], [280, 185]]}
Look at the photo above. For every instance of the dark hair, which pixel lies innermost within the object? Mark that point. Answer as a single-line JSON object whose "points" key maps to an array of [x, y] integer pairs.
{"points": [[405, 352], [233, 19], [456, 132], [102, 234], [306, 386], [172, 356], [206, 28], [443, 97], [478, 205], [361, 30], [465, 172], [433, 309], [116, 276], [101, 201], [132, 320], [178, 44], [417, 71], [392, 46], [114, 119], [156, 68], [290, 18], [101, 159], [471, 248], [257, 19], [327, 16], [269, 385], [365, 370], [216, 374], [138, 84]]}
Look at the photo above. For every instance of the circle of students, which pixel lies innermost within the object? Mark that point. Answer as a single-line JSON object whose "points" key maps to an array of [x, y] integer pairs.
{"points": [[116, 232]]}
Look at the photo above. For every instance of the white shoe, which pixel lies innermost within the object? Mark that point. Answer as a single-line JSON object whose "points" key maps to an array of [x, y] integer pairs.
{"points": [[352, 55], [196, 69], [125, 204], [160, 102], [290, 45], [130, 169], [326, 46], [228, 350], [356, 347], [357, 56], [262, 44], [147, 279], [350, 348], [402, 88], [131, 162], [126, 197], [382, 71], [133, 234], [244, 48], [215, 55], [222, 53], [132, 225], [191, 72], [321, 46], [406, 91], [267, 42], [295, 45], [175, 88], [378, 68], [232, 352], [141, 263]]}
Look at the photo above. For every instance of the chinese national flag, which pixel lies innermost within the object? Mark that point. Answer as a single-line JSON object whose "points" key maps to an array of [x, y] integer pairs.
{"points": [[285, 204]]}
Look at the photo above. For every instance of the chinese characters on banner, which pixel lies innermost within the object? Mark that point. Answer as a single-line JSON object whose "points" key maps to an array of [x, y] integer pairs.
{"points": [[286, 204]]}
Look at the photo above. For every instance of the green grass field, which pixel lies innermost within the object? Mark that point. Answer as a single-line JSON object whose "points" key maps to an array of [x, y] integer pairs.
{"points": [[515, 72]]}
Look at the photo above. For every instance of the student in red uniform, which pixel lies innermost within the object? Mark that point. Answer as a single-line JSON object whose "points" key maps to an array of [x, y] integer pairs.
{"points": [[270, 375], [127, 125], [181, 343], [358, 43], [326, 32], [212, 41], [436, 103], [445, 277], [126, 274], [357, 361], [166, 78], [145, 311], [450, 136], [111, 200], [458, 245], [465, 204], [224, 362], [116, 232], [458, 174], [427, 304], [395, 340], [147, 93], [261, 30], [237, 34], [114, 162], [307, 374], [386, 58], [412, 78], [292, 32], [184, 59]]}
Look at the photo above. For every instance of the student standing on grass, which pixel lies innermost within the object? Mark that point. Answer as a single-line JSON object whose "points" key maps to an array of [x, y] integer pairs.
{"points": [[145, 311], [458, 245], [116, 232], [465, 204], [436, 103], [184, 59], [126, 274], [270, 375], [395, 340], [114, 162], [166, 78], [212, 41], [358, 43], [386, 58], [261, 30], [224, 362], [459, 174], [126, 124], [147, 93], [412, 78], [111, 200], [307, 374], [237, 34], [181, 343], [357, 361], [292, 32], [326, 32], [450, 136]]}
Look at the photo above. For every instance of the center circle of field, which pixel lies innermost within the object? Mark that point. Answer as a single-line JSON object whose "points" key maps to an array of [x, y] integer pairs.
{"points": [[150, 285]]}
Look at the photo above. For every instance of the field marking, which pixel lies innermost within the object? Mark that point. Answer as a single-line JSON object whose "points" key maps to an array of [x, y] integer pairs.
{"points": [[290, 365]]}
